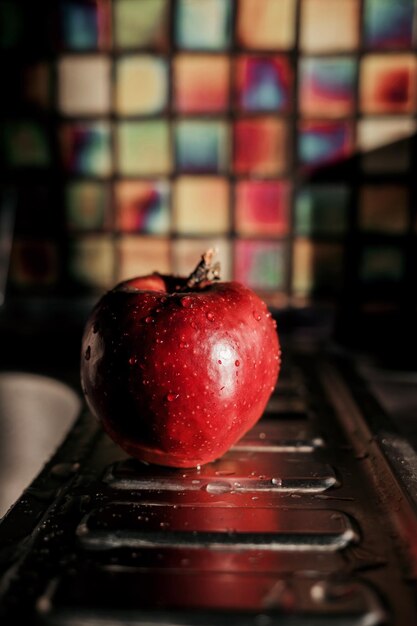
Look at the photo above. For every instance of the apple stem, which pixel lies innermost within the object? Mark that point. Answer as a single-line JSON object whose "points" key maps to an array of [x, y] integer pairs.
{"points": [[204, 271]]}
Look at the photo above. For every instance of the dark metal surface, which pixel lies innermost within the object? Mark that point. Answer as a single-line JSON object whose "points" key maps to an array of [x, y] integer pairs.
{"points": [[303, 523]]}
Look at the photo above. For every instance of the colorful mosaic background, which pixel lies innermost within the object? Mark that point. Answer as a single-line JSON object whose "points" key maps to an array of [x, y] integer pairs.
{"points": [[138, 132]]}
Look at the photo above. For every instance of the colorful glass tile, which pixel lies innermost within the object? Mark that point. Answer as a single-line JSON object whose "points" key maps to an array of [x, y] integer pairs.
{"points": [[141, 85], [266, 25], [85, 25], [138, 256], [84, 85], [141, 23], [142, 206], [385, 143], [25, 144], [388, 24], [85, 148], [321, 143], [260, 146], [187, 252], [87, 205], [203, 24], [382, 264], [263, 83], [201, 146], [327, 86], [384, 208], [329, 26], [91, 261], [262, 207], [201, 83], [143, 148], [317, 268], [321, 210], [388, 83], [34, 263], [261, 264], [201, 205]]}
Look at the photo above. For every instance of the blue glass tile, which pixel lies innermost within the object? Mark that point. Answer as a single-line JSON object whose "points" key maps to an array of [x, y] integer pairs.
{"points": [[388, 23], [201, 146], [327, 86], [203, 24], [321, 143], [263, 83], [80, 25]]}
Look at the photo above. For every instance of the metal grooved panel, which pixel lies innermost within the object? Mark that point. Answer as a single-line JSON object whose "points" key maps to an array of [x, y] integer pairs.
{"points": [[301, 523]]}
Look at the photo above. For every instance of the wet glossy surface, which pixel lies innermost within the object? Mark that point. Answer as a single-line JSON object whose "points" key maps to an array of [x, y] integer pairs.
{"points": [[289, 527]]}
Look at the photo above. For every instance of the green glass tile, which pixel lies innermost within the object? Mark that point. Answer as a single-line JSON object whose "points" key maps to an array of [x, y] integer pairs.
{"points": [[141, 23], [203, 24], [143, 148], [25, 144], [382, 264], [11, 23], [87, 205], [321, 210]]}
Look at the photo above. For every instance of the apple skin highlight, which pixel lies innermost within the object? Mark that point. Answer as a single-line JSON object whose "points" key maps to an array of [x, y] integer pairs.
{"points": [[177, 375]]}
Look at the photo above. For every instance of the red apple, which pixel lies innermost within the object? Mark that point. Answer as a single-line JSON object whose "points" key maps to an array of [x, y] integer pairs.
{"points": [[177, 370]]}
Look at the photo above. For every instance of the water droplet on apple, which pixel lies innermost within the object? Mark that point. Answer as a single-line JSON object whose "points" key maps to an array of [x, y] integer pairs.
{"points": [[172, 396], [237, 363], [257, 316], [87, 354], [149, 319], [183, 344], [210, 316], [186, 302], [133, 360]]}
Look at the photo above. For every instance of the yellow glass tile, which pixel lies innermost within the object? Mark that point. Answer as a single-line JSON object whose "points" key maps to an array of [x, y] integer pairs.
{"points": [[91, 261], [187, 253], [141, 85], [266, 24], [329, 25], [138, 256], [84, 85], [143, 148], [201, 205]]}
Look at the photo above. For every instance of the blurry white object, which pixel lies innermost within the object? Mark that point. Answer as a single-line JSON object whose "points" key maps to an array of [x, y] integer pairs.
{"points": [[36, 412]]}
